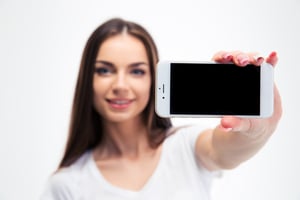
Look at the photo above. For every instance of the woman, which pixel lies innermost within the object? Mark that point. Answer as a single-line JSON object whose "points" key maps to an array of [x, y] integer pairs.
{"points": [[118, 148]]}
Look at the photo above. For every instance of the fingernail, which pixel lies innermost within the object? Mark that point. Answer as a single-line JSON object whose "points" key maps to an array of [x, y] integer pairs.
{"points": [[258, 59], [226, 129], [243, 60], [273, 54], [227, 56]]}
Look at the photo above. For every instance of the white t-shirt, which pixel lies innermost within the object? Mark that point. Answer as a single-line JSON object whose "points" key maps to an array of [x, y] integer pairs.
{"points": [[177, 176]]}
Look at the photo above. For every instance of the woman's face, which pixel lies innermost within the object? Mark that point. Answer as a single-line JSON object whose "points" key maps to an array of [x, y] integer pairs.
{"points": [[122, 78]]}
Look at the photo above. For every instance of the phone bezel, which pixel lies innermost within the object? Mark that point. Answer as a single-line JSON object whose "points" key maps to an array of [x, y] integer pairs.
{"points": [[162, 90]]}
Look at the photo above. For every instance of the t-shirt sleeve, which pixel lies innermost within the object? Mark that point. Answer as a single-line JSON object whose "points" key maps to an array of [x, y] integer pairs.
{"points": [[58, 187]]}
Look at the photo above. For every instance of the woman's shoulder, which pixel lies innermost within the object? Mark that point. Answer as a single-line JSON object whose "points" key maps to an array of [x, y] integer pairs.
{"points": [[66, 179], [65, 182]]}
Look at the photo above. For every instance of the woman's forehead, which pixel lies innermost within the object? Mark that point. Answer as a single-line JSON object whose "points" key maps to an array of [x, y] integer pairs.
{"points": [[122, 48]]}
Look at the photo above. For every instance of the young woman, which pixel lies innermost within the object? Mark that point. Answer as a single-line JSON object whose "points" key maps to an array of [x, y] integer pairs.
{"points": [[118, 148]]}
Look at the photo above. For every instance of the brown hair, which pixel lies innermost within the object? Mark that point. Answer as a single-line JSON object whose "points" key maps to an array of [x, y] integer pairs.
{"points": [[85, 131]]}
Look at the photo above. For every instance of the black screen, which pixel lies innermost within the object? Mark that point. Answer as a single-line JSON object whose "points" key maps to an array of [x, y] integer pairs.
{"points": [[214, 89]]}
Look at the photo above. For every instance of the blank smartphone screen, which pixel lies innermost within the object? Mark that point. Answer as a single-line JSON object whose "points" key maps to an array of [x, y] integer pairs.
{"points": [[214, 89]]}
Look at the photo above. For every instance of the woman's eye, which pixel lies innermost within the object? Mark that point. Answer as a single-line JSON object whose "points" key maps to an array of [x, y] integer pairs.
{"points": [[138, 72], [102, 71]]}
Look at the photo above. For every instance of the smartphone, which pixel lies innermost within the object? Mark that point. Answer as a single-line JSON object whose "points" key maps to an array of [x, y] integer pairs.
{"points": [[208, 89]]}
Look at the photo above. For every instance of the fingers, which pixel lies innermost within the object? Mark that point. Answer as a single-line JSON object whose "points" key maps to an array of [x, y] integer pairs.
{"points": [[256, 58], [223, 57], [272, 58], [242, 59]]}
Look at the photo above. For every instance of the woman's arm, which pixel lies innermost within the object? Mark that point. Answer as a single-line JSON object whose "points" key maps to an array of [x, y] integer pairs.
{"points": [[236, 140]]}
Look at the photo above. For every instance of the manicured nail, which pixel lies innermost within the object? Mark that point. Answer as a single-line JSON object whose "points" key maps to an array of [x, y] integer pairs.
{"points": [[258, 58], [226, 129], [227, 56], [243, 60], [273, 54]]}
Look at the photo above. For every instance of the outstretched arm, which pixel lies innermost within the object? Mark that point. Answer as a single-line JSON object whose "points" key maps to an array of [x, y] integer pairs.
{"points": [[235, 140]]}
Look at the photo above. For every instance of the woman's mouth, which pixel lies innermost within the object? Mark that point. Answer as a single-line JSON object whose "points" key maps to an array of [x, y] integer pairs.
{"points": [[119, 103]]}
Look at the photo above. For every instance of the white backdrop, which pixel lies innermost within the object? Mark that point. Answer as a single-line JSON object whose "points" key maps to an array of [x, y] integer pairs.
{"points": [[40, 48]]}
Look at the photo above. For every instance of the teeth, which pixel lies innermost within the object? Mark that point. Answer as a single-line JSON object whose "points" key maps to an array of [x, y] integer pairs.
{"points": [[120, 102]]}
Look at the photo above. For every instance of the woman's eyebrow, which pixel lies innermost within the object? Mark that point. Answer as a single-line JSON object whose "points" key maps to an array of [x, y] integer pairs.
{"points": [[105, 63], [137, 64]]}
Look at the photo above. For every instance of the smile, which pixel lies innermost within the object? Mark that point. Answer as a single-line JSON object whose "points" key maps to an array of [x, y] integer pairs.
{"points": [[119, 103]]}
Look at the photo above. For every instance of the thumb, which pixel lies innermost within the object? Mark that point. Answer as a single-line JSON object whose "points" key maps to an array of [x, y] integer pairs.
{"points": [[235, 124]]}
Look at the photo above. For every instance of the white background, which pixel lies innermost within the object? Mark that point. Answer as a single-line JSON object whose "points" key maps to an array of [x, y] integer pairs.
{"points": [[40, 48]]}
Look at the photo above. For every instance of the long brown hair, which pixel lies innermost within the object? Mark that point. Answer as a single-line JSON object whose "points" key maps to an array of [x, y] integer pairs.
{"points": [[86, 131]]}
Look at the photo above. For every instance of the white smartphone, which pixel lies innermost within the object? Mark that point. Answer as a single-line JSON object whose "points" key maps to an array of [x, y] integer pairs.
{"points": [[208, 89]]}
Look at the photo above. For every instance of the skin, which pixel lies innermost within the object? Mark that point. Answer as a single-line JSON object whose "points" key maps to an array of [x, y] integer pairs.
{"points": [[121, 91]]}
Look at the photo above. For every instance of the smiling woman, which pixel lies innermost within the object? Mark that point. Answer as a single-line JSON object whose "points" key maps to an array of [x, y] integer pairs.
{"points": [[108, 62], [118, 148]]}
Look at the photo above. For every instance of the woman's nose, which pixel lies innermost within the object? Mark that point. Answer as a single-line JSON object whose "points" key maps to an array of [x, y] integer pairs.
{"points": [[120, 85]]}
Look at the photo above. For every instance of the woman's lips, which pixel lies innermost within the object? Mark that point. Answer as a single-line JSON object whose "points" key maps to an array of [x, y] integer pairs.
{"points": [[119, 103]]}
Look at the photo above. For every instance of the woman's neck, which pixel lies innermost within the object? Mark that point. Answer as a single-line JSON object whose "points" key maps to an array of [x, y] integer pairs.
{"points": [[127, 139]]}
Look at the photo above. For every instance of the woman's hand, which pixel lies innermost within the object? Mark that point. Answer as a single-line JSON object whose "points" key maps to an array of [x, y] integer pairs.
{"points": [[250, 127], [236, 139]]}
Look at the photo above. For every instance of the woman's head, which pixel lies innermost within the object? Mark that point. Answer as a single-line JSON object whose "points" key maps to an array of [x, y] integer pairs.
{"points": [[86, 126], [122, 80]]}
